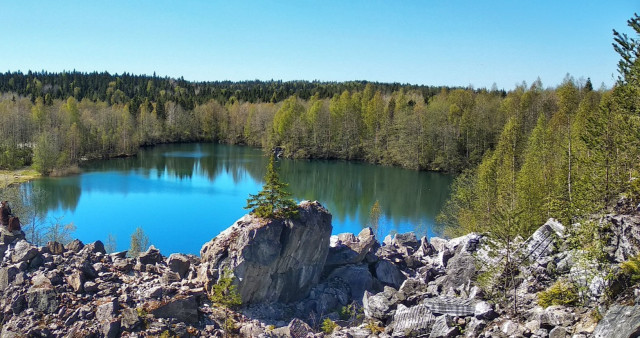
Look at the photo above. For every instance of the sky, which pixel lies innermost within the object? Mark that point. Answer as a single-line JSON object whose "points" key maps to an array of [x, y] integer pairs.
{"points": [[451, 43]]}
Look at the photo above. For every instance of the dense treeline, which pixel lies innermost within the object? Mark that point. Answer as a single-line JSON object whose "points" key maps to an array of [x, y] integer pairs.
{"points": [[135, 89], [569, 157], [450, 130]]}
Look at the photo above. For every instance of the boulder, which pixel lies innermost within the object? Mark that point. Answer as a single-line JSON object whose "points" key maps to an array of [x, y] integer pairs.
{"points": [[415, 321], [381, 305], [389, 274], [179, 263], [7, 275], [76, 245], [42, 300], [542, 243], [23, 252], [357, 277], [130, 319], [151, 256], [95, 247], [272, 259], [107, 311], [183, 309], [453, 306], [349, 249], [444, 326], [55, 248], [625, 239], [461, 268], [10, 237], [76, 281], [619, 321]]}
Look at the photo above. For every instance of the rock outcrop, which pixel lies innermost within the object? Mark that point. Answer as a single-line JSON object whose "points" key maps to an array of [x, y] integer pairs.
{"points": [[272, 259]]}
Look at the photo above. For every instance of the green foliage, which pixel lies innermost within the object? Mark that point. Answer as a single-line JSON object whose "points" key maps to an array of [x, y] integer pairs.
{"points": [[374, 328], [328, 326], [139, 242], [630, 270], [348, 312], [273, 201], [560, 293], [224, 293]]}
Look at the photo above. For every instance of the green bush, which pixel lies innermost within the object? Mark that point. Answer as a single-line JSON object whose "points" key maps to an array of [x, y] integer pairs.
{"points": [[560, 293], [630, 270], [224, 293], [328, 326]]}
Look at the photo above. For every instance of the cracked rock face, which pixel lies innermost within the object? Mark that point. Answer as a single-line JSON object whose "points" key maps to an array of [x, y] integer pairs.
{"points": [[272, 260]]}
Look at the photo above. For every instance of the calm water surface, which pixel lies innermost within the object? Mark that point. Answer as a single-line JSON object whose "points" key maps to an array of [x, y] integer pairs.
{"points": [[183, 195]]}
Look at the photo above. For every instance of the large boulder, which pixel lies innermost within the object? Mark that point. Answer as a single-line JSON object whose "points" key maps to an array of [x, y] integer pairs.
{"points": [[23, 252], [272, 259], [625, 239], [543, 241], [9, 237], [357, 277], [619, 321], [349, 249]]}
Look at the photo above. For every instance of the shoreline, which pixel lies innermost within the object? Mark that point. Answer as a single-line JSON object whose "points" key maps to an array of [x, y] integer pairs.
{"points": [[17, 176]]}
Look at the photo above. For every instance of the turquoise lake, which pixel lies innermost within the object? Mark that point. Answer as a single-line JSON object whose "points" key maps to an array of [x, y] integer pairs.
{"points": [[183, 195]]}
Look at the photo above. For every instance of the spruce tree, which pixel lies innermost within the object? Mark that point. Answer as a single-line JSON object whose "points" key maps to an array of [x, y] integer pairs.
{"points": [[273, 201]]}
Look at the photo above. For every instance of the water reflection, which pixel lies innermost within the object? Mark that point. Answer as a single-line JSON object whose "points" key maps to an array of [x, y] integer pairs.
{"points": [[205, 186]]}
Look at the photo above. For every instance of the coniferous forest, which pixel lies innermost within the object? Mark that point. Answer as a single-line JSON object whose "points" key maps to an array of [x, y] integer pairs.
{"points": [[522, 155]]}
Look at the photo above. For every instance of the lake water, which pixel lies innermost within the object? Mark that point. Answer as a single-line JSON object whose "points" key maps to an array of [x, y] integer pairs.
{"points": [[183, 195]]}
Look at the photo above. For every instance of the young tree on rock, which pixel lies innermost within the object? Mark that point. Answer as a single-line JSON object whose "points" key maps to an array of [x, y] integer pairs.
{"points": [[273, 201]]}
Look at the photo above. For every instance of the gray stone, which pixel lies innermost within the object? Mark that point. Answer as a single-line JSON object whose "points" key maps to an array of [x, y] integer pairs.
{"points": [[512, 329], [107, 311], [357, 277], [23, 252], [425, 249], [624, 241], [110, 329], [298, 328], [130, 319], [95, 247], [169, 277], [444, 326], [18, 303], [411, 322], [388, 273], [273, 259], [90, 287], [349, 249], [55, 248], [450, 306], [179, 264], [88, 270], [542, 243], [76, 281], [7, 276], [76, 245], [183, 309], [474, 327], [379, 306], [151, 256], [9, 237], [484, 310], [42, 300], [123, 264], [558, 332], [155, 292], [461, 269], [619, 321]]}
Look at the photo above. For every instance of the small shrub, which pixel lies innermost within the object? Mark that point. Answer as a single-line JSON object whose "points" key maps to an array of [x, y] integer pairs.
{"points": [[347, 312], [560, 293], [224, 293], [373, 327], [271, 327], [631, 270], [328, 326]]}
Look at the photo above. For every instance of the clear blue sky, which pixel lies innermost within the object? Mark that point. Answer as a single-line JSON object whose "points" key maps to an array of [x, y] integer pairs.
{"points": [[454, 43]]}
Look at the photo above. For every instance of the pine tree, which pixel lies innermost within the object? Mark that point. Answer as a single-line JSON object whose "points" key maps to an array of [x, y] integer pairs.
{"points": [[273, 201]]}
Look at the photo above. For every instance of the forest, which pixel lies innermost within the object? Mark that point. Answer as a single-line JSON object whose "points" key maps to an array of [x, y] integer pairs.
{"points": [[522, 155]]}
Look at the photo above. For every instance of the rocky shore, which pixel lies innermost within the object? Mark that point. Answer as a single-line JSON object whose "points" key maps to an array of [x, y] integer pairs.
{"points": [[293, 277]]}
